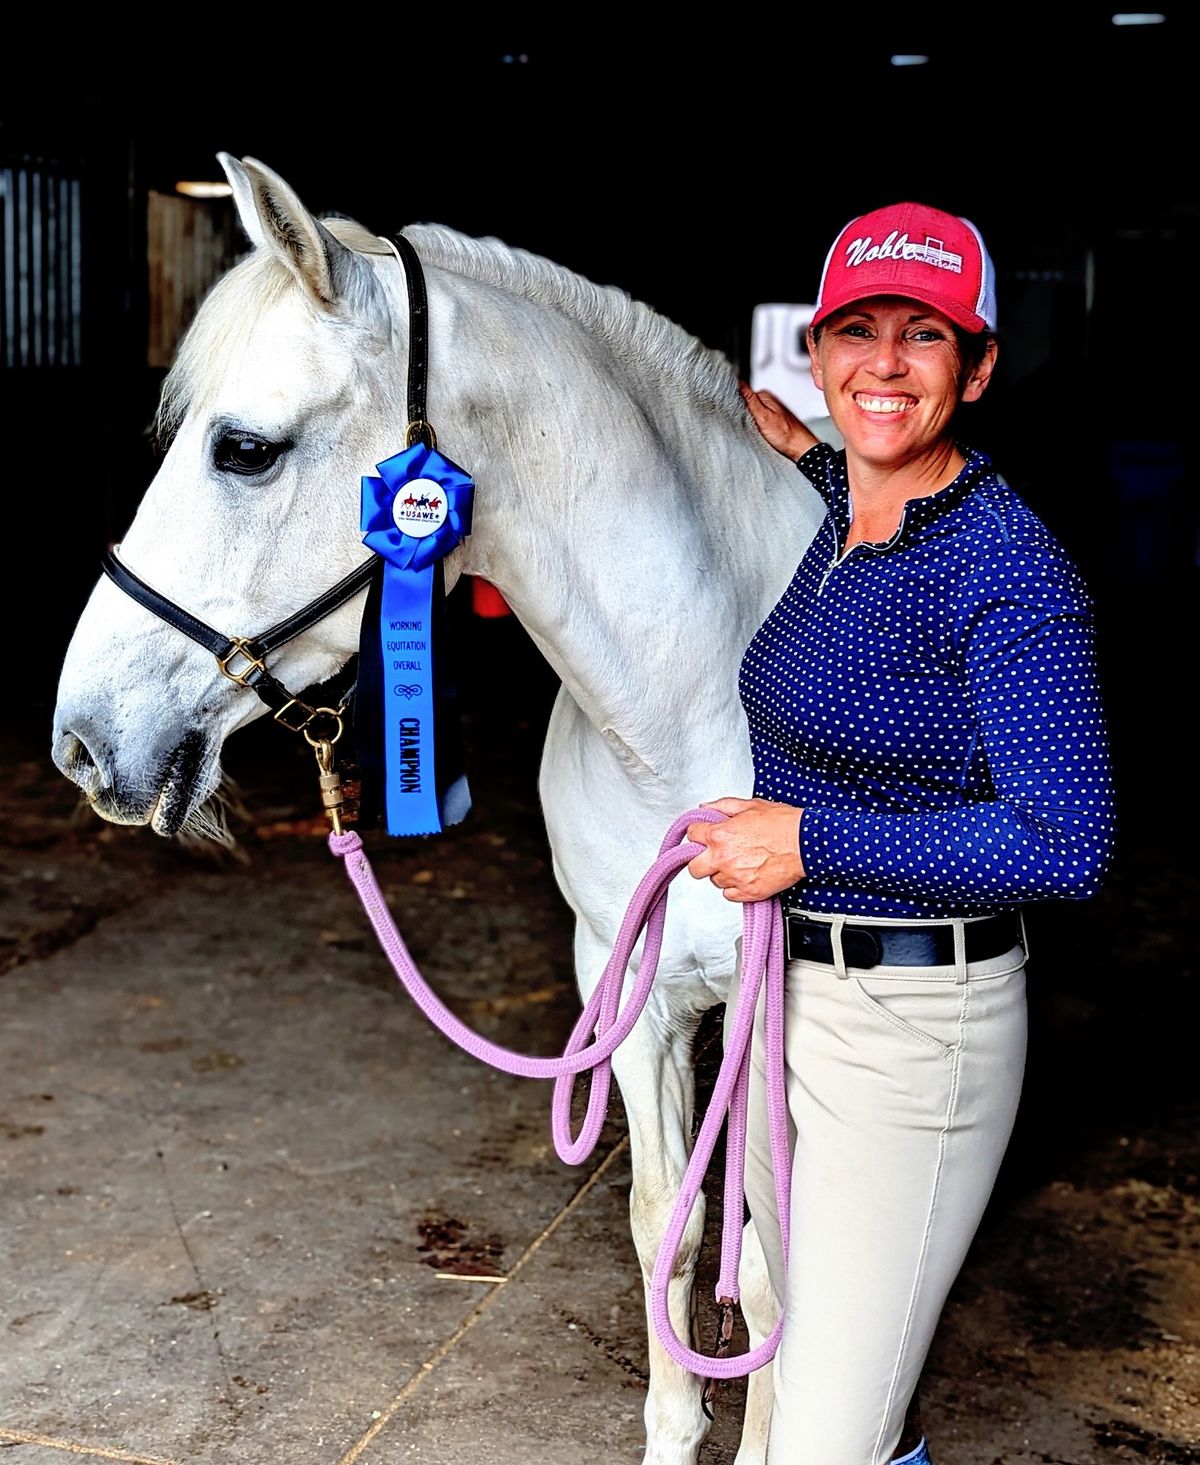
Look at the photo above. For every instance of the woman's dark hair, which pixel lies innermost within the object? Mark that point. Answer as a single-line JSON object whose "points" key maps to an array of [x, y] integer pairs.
{"points": [[972, 345]]}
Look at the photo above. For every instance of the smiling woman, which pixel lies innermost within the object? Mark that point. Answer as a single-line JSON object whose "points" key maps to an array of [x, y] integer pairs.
{"points": [[893, 377], [929, 754]]}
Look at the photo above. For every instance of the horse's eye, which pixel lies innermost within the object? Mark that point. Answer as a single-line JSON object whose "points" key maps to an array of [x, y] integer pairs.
{"points": [[238, 452]]}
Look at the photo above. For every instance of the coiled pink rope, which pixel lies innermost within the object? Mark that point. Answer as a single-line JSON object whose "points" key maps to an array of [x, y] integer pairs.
{"points": [[611, 1023]]}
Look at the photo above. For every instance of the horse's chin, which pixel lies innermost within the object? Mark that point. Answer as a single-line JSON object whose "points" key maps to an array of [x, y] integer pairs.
{"points": [[189, 779], [177, 806]]}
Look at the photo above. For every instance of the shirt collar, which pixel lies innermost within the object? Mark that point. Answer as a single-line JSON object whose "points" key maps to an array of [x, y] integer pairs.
{"points": [[921, 518]]}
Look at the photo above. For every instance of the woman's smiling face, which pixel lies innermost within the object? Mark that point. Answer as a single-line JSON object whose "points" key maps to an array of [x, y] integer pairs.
{"points": [[893, 375]]}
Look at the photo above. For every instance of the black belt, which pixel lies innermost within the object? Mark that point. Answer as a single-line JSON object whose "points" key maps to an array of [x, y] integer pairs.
{"points": [[869, 946]]}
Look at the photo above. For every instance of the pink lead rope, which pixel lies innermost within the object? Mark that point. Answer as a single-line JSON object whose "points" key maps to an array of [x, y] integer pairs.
{"points": [[610, 1023]]}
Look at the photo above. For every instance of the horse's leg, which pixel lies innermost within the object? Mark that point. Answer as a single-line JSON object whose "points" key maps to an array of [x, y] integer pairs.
{"points": [[654, 1069], [760, 1308]]}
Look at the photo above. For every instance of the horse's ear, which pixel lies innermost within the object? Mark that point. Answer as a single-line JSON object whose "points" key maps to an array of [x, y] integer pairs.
{"points": [[243, 198], [327, 270]]}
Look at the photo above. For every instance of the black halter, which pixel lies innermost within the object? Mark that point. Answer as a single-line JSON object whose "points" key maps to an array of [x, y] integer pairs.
{"points": [[243, 658]]}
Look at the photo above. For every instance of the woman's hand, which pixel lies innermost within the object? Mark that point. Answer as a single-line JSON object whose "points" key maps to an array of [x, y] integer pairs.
{"points": [[781, 427], [753, 854]]}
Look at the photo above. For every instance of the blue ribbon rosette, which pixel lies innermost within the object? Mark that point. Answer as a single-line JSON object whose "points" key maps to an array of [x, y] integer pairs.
{"points": [[413, 514]]}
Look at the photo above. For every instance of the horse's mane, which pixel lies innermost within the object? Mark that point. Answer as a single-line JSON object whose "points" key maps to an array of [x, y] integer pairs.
{"points": [[632, 329]]}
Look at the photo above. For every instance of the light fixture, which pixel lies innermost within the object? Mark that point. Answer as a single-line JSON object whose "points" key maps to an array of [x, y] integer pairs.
{"points": [[1138, 17], [909, 59], [204, 190]]}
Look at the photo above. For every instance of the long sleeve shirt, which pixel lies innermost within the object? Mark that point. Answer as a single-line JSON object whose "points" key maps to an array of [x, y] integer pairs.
{"points": [[931, 703]]}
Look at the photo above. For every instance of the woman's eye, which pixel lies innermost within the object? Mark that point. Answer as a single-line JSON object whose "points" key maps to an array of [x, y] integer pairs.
{"points": [[238, 452]]}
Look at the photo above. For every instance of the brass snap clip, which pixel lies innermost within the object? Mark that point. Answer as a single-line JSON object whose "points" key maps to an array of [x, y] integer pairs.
{"points": [[331, 781]]}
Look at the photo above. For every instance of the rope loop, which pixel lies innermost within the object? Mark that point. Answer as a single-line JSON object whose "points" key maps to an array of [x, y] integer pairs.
{"points": [[602, 1026]]}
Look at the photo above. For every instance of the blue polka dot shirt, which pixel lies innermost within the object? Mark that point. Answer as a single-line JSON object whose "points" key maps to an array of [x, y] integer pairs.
{"points": [[931, 703]]}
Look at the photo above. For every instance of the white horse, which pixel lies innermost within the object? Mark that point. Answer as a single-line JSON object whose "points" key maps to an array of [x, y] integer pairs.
{"points": [[626, 507]]}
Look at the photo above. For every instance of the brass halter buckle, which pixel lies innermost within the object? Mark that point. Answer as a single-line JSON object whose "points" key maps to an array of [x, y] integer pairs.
{"points": [[299, 717], [240, 647], [417, 431]]}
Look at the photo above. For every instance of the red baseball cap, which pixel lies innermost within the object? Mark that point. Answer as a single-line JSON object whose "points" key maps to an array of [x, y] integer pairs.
{"points": [[918, 252]]}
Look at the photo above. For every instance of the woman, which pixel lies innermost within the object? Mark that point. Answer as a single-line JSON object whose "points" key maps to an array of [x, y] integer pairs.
{"points": [[929, 754]]}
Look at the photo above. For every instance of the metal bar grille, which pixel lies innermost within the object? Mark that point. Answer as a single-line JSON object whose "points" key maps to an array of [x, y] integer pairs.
{"points": [[41, 274]]}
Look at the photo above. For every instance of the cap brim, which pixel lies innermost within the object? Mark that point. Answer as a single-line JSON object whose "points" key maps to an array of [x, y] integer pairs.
{"points": [[952, 309]]}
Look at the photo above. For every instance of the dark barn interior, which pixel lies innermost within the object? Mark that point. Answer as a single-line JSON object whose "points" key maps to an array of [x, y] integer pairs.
{"points": [[702, 170]]}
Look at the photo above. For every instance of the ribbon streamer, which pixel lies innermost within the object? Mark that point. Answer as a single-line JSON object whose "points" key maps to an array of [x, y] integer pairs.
{"points": [[413, 515]]}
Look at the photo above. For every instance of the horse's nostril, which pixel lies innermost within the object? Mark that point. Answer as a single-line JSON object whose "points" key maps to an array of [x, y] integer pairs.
{"points": [[74, 758]]}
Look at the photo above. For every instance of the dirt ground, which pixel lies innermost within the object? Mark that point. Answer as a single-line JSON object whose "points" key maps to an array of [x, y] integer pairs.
{"points": [[241, 1179]]}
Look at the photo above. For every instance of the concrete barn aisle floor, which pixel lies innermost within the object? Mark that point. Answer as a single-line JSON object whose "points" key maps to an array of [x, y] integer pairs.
{"points": [[245, 1186]]}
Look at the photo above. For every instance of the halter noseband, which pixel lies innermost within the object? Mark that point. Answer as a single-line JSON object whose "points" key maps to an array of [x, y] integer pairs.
{"points": [[243, 658]]}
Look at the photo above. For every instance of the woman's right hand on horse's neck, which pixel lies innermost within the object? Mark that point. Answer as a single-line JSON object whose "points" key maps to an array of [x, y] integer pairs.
{"points": [[781, 427]]}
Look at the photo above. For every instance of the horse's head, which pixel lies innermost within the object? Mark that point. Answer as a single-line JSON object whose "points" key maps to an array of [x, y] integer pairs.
{"points": [[287, 388]]}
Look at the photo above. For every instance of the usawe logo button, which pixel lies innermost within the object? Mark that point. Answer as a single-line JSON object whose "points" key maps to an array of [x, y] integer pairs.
{"points": [[420, 509]]}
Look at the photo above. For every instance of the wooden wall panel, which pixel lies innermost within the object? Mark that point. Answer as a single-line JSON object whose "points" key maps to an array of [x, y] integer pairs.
{"points": [[190, 244]]}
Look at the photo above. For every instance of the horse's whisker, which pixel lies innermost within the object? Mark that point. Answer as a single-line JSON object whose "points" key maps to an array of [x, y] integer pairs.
{"points": [[208, 824]]}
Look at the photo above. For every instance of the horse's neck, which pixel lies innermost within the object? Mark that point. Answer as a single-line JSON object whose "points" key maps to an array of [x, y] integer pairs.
{"points": [[638, 527]]}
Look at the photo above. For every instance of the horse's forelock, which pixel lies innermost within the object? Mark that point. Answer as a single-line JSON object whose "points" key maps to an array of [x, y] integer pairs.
{"points": [[221, 330], [355, 236], [234, 307]]}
